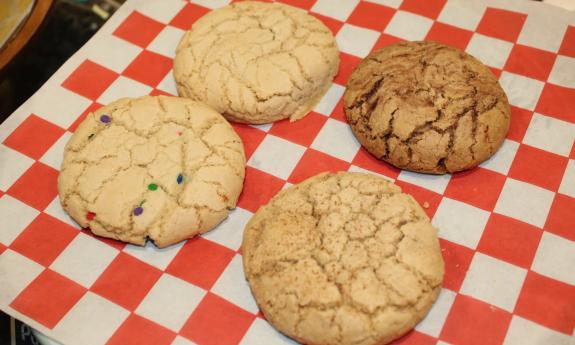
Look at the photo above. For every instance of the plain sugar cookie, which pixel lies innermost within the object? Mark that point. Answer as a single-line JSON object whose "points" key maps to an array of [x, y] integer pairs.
{"points": [[163, 168], [257, 62], [342, 259], [427, 107]]}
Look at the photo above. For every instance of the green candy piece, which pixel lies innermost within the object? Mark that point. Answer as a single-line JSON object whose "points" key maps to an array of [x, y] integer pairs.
{"points": [[152, 186]]}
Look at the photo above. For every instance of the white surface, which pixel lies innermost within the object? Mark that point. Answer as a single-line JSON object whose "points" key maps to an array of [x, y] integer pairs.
{"points": [[555, 258], [550, 134], [460, 223], [336, 139]]}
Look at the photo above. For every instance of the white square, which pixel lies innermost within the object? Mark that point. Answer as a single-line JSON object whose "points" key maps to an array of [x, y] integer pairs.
{"points": [[17, 164], [459, 222], [168, 84], [339, 11], [329, 100], [522, 92], [232, 286], [356, 41], [433, 322], [157, 257], [544, 31], [555, 258], [212, 3], [525, 202], [388, 3], [163, 11], [230, 232], [567, 186], [525, 332], [493, 281], [261, 333], [179, 340], [53, 157], [276, 156], [167, 41], [436, 183], [563, 72], [117, 55], [409, 26], [84, 259], [55, 210], [170, 302], [123, 87], [91, 321], [491, 51], [462, 14], [550, 134], [501, 161], [265, 127], [16, 216], [354, 168], [336, 139], [59, 106], [16, 272]]}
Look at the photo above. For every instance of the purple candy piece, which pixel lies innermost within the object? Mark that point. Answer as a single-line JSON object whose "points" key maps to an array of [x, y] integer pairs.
{"points": [[138, 211], [105, 119]]}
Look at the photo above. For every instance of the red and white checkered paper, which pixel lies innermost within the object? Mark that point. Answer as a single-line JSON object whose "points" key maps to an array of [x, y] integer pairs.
{"points": [[507, 228]]}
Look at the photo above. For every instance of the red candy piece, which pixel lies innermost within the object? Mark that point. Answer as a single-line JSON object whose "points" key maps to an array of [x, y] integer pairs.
{"points": [[90, 215]]}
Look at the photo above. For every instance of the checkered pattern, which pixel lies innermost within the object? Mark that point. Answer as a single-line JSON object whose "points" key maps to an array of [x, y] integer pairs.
{"points": [[507, 228]]}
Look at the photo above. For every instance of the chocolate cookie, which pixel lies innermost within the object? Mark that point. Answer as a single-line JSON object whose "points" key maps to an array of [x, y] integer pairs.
{"points": [[427, 107]]}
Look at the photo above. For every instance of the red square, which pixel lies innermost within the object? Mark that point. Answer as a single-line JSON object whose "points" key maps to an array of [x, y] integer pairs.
{"points": [[478, 187], [557, 101], [510, 240], [538, 167], [314, 162], [156, 92], [520, 119], [457, 259], [188, 15], [502, 24], [135, 278], [251, 137], [302, 131], [347, 65], [384, 40], [137, 330], [90, 80], [259, 188], [217, 322], [495, 71], [338, 112], [37, 187], [200, 262], [333, 24], [149, 68], [568, 45], [92, 108], [139, 29], [449, 35], [428, 8], [415, 338], [531, 62], [371, 16], [34, 136], [44, 239], [2, 247], [475, 323], [48, 298], [305, 4], [560, 220], [423, 196], [548, 302], [366, 160]]}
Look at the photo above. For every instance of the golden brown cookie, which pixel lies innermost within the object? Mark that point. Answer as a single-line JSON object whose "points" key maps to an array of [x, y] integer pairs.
{"points": [[427, 107], [163, 168], [257, 62], [343, 258]]}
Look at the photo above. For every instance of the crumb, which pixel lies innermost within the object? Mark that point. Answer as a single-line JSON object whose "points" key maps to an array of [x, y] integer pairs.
{"points": [[426, 205]]}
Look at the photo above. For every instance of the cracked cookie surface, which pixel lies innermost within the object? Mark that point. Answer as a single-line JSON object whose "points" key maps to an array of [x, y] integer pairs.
{"points": [[163, 168], [257, 62], [343, 258], [427, 107]]}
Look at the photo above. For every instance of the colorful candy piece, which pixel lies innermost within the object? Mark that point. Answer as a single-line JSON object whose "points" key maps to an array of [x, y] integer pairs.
{"points": [[180, 179], [90, 215], [152, 186], [138, 211], [179, 134], [105, 118]]}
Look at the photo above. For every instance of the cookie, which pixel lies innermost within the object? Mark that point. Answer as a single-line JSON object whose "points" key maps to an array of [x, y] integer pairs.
{"points": [[257, 62], [427, 107], [342, 258], [158, 168]]}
